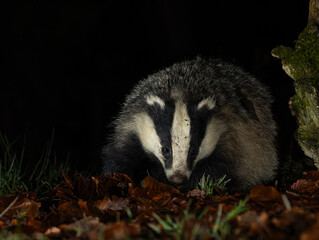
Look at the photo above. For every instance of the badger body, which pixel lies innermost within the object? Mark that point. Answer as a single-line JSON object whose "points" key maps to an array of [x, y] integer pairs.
{"points": [[193, 118]]}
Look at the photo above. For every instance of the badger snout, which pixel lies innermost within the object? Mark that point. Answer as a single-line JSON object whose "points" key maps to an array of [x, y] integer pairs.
{"points": [[177, 178]]}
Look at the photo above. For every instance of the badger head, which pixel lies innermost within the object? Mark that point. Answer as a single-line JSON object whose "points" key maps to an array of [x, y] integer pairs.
{"points": [[178, 133]]}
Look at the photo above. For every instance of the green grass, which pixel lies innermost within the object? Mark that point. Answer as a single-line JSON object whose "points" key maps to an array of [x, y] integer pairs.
{"points": [[174, 228], [17, 176], [208, 184], [222, 228], [220, 231], [10, 168]]}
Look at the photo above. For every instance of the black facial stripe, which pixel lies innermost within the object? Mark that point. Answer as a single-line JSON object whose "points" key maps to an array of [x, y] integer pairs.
{"points": [[199, 120], [144, 163], [163, 119]]}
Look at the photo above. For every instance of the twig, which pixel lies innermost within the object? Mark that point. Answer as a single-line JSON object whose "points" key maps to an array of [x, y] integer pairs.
{"points": [[10, 205], [286, 202]]}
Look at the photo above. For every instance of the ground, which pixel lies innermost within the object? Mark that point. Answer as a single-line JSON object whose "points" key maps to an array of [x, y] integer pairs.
{"points": [[115, 208]]}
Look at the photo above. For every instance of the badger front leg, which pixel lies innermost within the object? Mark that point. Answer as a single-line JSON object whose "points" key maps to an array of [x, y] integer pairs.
{"points": [[118, 161]]}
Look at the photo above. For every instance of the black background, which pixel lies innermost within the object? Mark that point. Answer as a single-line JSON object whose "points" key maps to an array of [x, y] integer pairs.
{"points": [[68, 65]]}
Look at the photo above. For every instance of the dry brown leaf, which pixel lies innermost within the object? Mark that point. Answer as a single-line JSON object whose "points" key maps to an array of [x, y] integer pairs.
{"points": [[176, 204], [107, 198], [96, 181], [301, 185], [14, 222], [17, 202], [83, 206], [90, 226], [120, 230], [85, 189], [53, 232], [261, 193], [312, 175], [32, 208], [312, 233], [67, 180], [114, 204], [305, 186], [35, 225], [64, 193], [196, 193], [23, 205], [155, 186], [120, 180], [161, 199], [69, 211]]}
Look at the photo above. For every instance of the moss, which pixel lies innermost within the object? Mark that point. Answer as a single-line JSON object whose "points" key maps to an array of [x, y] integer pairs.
{"points": [[303, 60], [309, 135], [298, 103], [302, 64]]}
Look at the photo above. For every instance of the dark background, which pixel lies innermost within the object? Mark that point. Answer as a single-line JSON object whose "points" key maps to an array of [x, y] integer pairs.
{"points": [[68, 65]]}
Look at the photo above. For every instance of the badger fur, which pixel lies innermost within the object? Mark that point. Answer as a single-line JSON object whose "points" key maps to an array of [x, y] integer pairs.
{"points": [[193, 118]]}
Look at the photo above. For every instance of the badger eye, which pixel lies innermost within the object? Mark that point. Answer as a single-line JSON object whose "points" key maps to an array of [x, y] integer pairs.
{"points": [[166, 152]]}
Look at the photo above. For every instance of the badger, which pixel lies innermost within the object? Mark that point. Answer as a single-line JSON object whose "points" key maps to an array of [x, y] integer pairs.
{"points": [[201, 116]]}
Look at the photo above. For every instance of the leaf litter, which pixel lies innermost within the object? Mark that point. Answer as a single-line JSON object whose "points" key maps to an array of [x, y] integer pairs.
{"points": [[114, 207]]}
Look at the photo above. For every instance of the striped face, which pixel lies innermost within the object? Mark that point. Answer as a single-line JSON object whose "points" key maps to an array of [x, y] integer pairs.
{"points": [[178, 134]]}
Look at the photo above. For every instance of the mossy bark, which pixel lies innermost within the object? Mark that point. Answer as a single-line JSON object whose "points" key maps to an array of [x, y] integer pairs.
{"points": [[301, 63]]}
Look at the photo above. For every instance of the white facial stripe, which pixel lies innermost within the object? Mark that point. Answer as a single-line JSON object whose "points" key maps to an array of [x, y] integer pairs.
{"points": [[210, 103], [214, 130], [180, 140], [152, 99], [145, 129]]}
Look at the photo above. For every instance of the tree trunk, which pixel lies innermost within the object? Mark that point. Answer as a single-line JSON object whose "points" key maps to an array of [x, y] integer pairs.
{"points": [[302, 65]]}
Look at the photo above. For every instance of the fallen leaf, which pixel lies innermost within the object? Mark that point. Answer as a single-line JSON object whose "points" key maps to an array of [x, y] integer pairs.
{"points": [[120, 230], [114, 204], [155, 186], [305, 186], [35, 225], [22, 205], [312, 233], [66, 213], [83, 206], [312, 175], [300, 185], [121, 181], [87, 226], [32, 208], [176, 204], [196, 193], [14, 222], [261, 193], [140, 195], [67, 180], [64, 193], [53, 232], [85, 189]]}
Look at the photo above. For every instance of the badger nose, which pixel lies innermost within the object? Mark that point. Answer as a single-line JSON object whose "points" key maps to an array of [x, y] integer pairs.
{"points": [[178, 178]]}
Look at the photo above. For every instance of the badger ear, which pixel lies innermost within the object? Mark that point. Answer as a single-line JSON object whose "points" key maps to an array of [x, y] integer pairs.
{"points": [[153, 99], [209, 103]]}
